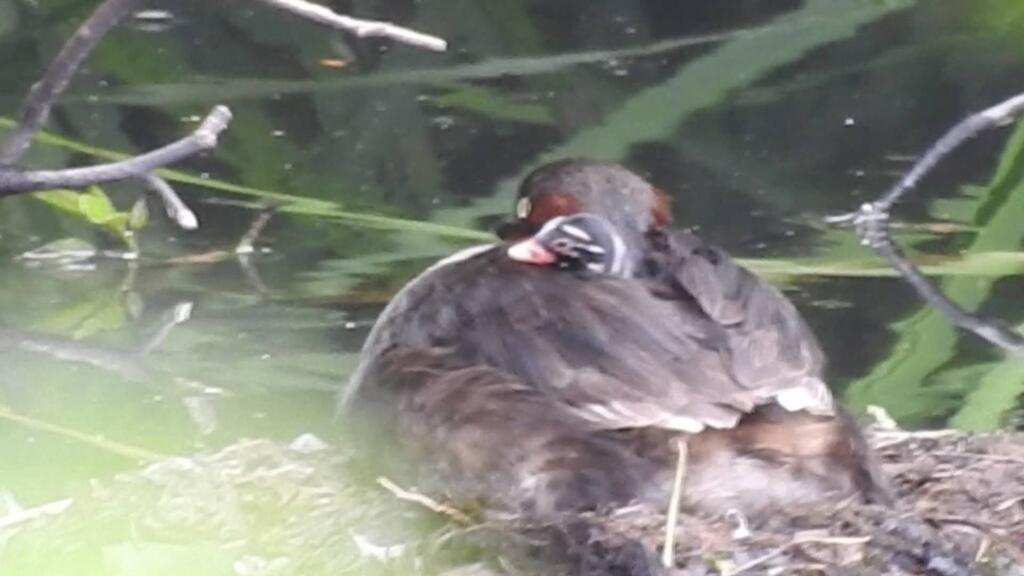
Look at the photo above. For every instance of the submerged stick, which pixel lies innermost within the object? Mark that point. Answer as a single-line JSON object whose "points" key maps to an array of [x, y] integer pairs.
{"points": [[871, 222]]}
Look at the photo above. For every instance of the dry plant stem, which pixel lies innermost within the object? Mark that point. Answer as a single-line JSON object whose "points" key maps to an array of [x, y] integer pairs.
{"points": [[204, 138], [797, 541], [36, 108], [672, 518], [429, 503], [872, 225], [246, 247], [247, 244], [361, 28]]}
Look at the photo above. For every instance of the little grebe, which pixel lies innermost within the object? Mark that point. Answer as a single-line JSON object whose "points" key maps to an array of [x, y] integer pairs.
{"points": [[558, 389]]}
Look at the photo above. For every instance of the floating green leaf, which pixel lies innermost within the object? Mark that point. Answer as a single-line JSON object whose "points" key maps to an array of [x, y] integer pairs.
{"points": [[96, 206], [92, 205]]}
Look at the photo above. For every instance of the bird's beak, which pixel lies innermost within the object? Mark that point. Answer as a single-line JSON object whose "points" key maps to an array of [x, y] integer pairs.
{"points": [[530, 251]]}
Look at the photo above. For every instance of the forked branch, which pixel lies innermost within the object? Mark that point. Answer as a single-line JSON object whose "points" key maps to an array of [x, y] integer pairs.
{"points": [[36, 108], [871, 222], [41, 97], [203, 138]]}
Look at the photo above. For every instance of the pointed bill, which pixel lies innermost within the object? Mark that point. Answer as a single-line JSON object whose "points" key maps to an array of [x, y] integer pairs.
{"points": [[530, 251]]}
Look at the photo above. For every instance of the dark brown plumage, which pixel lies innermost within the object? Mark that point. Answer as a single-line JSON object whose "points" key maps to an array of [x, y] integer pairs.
{"points": [[555, 390]]}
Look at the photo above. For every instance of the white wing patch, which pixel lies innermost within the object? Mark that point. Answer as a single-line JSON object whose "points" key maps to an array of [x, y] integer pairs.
{"points": [[811, 395], [683, 424]]}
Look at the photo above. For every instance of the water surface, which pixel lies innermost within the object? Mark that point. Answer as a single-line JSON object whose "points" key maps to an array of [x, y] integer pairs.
{"points": [[759, 118]]}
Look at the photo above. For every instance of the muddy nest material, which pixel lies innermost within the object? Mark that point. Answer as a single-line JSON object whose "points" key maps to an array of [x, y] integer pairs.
{"points": [[261, 508], [959, 510]]}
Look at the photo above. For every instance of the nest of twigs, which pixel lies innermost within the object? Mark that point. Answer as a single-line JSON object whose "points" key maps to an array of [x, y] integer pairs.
{"points": [[959, 510], [263, 508]]}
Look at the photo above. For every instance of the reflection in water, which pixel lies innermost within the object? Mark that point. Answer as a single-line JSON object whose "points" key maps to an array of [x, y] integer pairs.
{"points": [[759, 119]]}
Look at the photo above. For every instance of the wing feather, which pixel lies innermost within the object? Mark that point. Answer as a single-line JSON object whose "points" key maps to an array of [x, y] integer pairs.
{"points": [[617, 353]]}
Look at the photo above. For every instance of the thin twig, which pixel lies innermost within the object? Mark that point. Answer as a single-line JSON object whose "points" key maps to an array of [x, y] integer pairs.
{"points": [[176, 210], [425, 501], [94, 440], [989, 457], [872, 225], [361, 28], [797, 541], [997, 115], [989, 329], [1007, 504], [988, 531], [36, 108], [204, 138], [672, 518], [976, 525], [887, 438], [19, 517], [247, 244], [983, 547]]}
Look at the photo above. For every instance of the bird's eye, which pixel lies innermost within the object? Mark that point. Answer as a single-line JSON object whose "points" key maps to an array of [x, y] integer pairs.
{"points": [[562, 246], [523, 208]]}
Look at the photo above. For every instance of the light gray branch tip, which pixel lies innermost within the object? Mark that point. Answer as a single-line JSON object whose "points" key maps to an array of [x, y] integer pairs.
{"points": [[1006, 110], [871, 223], [359, 27], [176, 209], [211, 126]]}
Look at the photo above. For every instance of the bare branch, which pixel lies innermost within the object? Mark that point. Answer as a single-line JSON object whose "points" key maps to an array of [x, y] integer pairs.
{"points": [[989, 329], [204, 138], [872, 225], [40, 99], [361, 28], [36, 108], [177, 210]]}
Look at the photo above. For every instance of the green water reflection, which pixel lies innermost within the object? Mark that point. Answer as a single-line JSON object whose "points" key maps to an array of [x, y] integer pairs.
{"points": [[759, 117]]}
